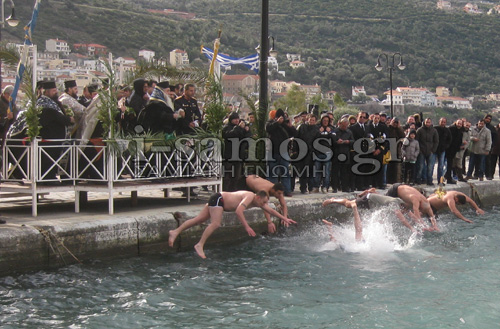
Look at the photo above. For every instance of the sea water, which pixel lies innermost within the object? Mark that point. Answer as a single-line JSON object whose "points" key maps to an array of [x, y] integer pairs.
{"points": [[298, 279]]}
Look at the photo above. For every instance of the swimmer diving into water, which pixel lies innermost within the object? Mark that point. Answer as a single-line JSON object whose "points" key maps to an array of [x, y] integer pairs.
{"points": [[235, 202], [450, 199]]}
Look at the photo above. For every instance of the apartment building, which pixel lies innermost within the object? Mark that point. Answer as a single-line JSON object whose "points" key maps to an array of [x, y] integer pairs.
{"points": [[179, 58], [245, 83], [57, 46], [91, 49], [454, 102]]}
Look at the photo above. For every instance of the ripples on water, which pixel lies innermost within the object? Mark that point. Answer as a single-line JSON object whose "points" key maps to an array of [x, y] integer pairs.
{"points": [[296, 280]]}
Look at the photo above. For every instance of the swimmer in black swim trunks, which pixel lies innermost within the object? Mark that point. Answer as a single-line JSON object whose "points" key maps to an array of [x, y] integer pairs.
{"points": [[226, 201], [216, 200], [393, 190]]}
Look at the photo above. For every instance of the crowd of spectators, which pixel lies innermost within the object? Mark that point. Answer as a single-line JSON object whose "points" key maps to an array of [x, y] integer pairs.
{"points": [[320, 152], [354, 153]]}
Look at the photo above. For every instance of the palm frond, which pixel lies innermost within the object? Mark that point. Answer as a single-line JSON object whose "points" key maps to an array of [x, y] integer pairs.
{"points": [[9, 56], [108, 108], [215, 111], [157, 70]]}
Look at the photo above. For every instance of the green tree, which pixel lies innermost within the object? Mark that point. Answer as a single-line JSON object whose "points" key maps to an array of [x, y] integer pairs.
{"points": [[321, 102], [338, 101], [360, 99], [294, 101]]}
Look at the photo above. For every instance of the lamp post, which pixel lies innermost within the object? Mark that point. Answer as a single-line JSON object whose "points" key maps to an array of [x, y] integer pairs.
{"points": [[12, 21], [264, 53], [264, 50], [379, 67]]}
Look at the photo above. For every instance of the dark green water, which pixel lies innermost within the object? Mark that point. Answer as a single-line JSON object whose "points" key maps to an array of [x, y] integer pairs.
{"points": [[300, 280]]}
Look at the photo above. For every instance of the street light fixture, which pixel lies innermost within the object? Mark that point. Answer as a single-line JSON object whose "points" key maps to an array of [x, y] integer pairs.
{"points": [[12, 21], [401, 66], [272, 51]]}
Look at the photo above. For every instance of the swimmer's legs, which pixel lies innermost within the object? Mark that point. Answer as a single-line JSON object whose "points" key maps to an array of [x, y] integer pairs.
{"points": [[202, 216], [343, 202], [330, 229], [215, 221], [357, 222]]}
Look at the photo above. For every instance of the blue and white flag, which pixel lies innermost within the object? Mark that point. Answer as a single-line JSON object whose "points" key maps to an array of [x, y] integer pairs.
{"points": [[250, 61], [28, 31]]}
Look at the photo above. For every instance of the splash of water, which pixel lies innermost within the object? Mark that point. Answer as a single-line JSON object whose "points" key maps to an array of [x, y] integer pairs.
{"points": [[382, 233]]}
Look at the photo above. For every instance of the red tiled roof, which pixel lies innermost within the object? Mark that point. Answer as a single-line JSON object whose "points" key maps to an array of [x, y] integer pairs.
{"points": [[239, 77], [451, 98]]}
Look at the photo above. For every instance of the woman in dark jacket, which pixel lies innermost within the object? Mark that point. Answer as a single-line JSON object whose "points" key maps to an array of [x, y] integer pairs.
{"points": [[323, 163], [456, 131], [495, 152], [394, 130], [139, 99]]}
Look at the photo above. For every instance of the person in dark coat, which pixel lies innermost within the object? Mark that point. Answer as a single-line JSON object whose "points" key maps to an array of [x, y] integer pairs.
{"points": [[361, 130], [233, 132], [279, 130], [190, 114], [7, 116], [394, 170], [158, 116], [54, 123], [308, 133], [378, 132], [343, 177], [428, 140], [490, 162], [323, 161], [495, 150], [456, 131], [139, 97], [444, 135]]}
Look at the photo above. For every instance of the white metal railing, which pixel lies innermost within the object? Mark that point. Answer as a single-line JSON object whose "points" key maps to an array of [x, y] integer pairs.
{"points": [[75, 165], [73, 161]]}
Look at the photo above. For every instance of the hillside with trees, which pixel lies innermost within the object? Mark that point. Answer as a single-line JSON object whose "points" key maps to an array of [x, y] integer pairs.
{"points": [[339, 40]]}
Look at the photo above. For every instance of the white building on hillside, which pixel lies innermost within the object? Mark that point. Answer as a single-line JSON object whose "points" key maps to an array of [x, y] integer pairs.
{"points": [[358, 90], [179, 58], [417, 96], [293, 57], [454, 102], [57, 46], [272, 64], [147, 54], [445, 5], [297, 64]]}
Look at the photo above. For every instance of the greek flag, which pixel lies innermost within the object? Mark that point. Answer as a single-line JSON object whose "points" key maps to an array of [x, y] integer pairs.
{"points": [[250, 61], [28, 31]]}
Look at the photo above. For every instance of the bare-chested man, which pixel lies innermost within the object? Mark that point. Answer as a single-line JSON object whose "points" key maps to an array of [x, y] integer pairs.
{"points": [[450, 200], [226, 201], [415, 201], [256, 184]]}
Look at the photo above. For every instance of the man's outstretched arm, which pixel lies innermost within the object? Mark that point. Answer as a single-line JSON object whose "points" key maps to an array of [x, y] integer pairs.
{"points": [[271, 228], [479, 211], [284, 208], [241, 217], [286, 221], [454, 210]]}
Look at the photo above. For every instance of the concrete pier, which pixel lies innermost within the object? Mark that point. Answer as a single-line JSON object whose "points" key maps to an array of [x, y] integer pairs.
{"points": [[59, 237]]}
